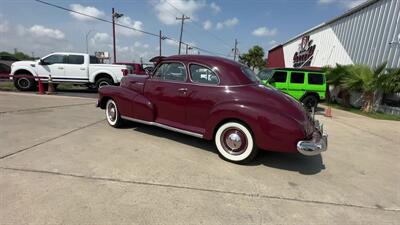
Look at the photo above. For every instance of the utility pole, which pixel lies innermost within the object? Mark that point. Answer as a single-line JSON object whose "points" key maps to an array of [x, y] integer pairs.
{"points": [[114, 16], [87, 42], [183, 18], [235, 50], [160, 42], [188, 48]]}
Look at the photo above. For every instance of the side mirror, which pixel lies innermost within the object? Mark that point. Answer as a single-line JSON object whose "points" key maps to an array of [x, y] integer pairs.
{"points": [[43, 63], [148, 72]]}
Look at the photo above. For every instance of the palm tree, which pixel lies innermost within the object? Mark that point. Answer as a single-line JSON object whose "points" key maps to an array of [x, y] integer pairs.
{"points": [[335, 76], [363, 78]]}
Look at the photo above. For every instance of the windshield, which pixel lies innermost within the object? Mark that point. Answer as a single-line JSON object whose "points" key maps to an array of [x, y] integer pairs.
{"points": [[250, 74], [265, 74]]}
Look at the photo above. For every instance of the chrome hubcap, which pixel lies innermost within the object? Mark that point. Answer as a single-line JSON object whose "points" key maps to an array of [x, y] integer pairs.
{"points": [[234, 141], [23, 82], [112, 112], [103, 83]]}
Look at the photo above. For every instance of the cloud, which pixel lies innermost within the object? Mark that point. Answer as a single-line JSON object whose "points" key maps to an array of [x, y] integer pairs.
{"points": [[127, 21], [227, 23], [264, 32], [326, 1], [138, 44], [215, 7], [272, 42], [3, 26], [88, 10], [167, 11], [207, 25], [353, 3], [346, 3], [41, 31], [99, 38]]}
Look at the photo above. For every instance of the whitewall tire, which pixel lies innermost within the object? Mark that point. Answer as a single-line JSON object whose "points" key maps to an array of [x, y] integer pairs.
{"points": [[112, 114], [235, 143]]}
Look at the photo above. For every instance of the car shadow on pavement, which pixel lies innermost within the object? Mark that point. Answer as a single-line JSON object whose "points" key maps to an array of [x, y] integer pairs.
{"points": [[291, 162], [306, 165]]}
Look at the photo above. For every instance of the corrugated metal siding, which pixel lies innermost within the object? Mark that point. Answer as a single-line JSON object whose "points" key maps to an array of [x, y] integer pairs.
{"points": [[366, 34]]}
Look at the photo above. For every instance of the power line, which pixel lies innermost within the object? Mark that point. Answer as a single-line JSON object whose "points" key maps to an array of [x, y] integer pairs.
{"points": [[122, 25], [201, 28], [96, 18]]}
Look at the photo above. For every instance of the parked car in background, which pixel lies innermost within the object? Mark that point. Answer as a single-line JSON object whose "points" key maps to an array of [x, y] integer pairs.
{"points": [[137, 68], [66, 67], [307, 86], [134, 68], [215, 99]]}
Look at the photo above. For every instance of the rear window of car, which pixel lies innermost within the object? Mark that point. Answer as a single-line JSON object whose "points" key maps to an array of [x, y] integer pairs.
{"points": [[203, 75], [75, 59], [250, 74], [297, 78], [279, 77], [315, 78]]}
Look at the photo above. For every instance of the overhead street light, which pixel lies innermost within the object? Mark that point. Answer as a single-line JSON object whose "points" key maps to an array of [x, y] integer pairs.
{"points": [[115, 15]]}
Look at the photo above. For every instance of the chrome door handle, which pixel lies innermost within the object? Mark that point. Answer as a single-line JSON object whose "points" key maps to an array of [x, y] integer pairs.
{"points": [[182, 89]]}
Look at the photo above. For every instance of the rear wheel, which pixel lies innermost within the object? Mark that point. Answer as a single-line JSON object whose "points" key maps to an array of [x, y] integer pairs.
{"points": [[235, 143], [112, 114], [310, 102], [24, 82], [104, 82]]}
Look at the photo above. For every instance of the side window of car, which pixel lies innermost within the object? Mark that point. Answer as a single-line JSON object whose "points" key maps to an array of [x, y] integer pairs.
{"points": [[315, 78], [75, 59], [159, 74], [171, 72], [203, 75], [279, 77], [297, 78], [55, 59]]}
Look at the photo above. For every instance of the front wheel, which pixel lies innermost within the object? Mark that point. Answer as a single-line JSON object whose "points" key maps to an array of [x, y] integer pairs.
{"points": [[24, 83], [235, 143], [310, 102], [112, 114]]}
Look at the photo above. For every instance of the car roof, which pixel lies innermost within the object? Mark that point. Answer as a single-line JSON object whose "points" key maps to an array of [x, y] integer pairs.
{"points": [[298, 69], [229, 71]]}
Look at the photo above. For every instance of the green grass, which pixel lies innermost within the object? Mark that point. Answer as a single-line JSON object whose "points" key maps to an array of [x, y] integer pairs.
{"points": [[7, 86], [374, 115]]}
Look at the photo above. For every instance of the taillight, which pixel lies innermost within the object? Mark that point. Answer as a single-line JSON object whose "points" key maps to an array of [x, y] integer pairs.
{"points": [[124, 72]]}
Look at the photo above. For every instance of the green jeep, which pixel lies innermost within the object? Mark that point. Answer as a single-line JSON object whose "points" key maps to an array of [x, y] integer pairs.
{"points": [[307, 86]]}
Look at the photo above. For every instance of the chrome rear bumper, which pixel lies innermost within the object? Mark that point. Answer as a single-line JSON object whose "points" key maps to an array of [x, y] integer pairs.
{"points": [[318, 144]]}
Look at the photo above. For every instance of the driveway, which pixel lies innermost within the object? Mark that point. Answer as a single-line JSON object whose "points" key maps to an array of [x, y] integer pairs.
{"points": [[60, 163]]}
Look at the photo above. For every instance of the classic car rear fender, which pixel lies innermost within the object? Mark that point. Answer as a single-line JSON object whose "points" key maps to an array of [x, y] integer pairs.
{"points": [[130, 103], [272, 130]]}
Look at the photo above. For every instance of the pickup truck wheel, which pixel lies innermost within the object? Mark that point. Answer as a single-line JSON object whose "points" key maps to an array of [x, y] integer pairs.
{"points": [[310, 102], [24, 83], [104, 82], [235, 143], [112, 114]]}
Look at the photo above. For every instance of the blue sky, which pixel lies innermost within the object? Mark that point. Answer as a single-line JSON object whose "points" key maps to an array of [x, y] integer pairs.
{"points": [[30, 26]]}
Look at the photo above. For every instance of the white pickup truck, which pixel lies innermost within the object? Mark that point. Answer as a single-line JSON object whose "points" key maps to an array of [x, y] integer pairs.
{"points": [[76, 68]]}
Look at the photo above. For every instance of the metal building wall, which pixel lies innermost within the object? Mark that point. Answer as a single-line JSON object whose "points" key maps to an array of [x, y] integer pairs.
{"points": [[366, 34]]}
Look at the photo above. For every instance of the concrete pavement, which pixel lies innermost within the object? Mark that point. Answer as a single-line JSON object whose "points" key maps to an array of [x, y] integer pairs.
{"points": [[76, 169]]}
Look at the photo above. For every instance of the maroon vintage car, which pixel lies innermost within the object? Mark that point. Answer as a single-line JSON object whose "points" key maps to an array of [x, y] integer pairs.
{"points": [[215, 99]]}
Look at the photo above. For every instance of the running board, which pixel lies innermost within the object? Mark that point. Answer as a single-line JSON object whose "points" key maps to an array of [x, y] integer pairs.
{"points": [[163, 126]]}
